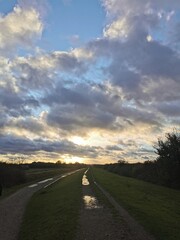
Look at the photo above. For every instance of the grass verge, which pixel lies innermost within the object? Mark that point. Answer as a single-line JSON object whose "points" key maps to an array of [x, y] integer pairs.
{"points": [[36, 175], [156, 208], [100, 196], [53, 213], [33, 176]]}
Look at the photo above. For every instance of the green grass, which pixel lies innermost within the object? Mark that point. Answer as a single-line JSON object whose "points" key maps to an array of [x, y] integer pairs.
{"points": [[156, 208], [32, 176], [38, 174], [53, 213], [102, 198], [9, 191]]}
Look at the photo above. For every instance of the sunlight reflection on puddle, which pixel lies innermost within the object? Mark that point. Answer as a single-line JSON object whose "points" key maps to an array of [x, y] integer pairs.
{"points": [[86, 171], [85, 181], [91, 202]]}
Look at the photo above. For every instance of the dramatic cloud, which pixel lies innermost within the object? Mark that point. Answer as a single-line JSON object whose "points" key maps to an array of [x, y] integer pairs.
{"points": [[116, 7], [171, 108], [44, 70], [19, 28], [107, 100], [13, 145]]}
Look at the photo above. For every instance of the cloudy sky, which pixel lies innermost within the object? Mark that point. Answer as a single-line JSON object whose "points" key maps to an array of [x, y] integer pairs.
{"points": [[92, 81]]}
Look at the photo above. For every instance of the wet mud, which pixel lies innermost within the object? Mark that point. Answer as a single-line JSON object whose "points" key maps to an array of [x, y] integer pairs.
{"points": [[96, 221]]}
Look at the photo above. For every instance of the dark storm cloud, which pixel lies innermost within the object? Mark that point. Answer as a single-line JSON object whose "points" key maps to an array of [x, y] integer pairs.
{"points": [[9, 98], [147, 72], [30, 124], [18, 145], [147, 58], [3, 119], [68, 62], [158, 61], [113, 148], [78, 94], [169, 108], [79, 118], [12, 144], [42, 72], [32, 77], [82, 106], [176, 33], [16, 104], [146, 150], [124, 77], [131, 115], [128, 143], [136, 63], [83, 94]]}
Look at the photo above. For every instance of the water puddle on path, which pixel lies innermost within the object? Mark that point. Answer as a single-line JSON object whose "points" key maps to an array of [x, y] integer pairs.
{"points": [[91, 202], [85, 181]]}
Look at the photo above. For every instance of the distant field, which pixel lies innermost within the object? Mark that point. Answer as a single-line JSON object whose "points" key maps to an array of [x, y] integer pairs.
{"points": [[37, 174], [156, 208], [33, 175], [52, 213]]}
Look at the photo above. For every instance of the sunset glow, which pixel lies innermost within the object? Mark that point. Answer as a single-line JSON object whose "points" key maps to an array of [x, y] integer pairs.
{"points": [[88, 81]]}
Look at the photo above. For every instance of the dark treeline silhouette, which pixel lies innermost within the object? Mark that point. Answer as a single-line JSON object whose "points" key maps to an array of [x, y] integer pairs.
{"points": [[11, 174], [58, 164], [14, 174], [165, 170]]}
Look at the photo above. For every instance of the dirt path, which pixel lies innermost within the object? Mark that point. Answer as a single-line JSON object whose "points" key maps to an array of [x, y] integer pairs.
{"points": [[135, 228], [13, 207], [97, 222]]}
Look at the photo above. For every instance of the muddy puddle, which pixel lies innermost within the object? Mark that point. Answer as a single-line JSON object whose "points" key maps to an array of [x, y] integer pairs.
{"points": [[90, 202], [85, 181]]}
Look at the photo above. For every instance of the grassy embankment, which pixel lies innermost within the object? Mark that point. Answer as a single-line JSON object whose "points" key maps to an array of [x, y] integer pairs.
{"points": [[156, 208], [34, 175], [39, 174], [53, 213]]}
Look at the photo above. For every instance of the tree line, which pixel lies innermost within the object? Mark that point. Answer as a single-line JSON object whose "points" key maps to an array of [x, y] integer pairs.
{"points": [[164, 170]]}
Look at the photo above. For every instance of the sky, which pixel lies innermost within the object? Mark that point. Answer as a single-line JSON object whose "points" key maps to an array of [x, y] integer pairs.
{"points": [[88, 81]]}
